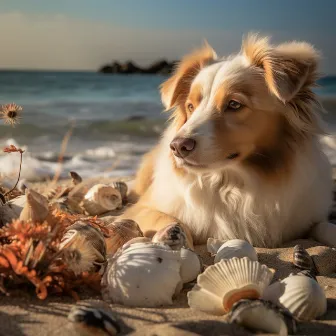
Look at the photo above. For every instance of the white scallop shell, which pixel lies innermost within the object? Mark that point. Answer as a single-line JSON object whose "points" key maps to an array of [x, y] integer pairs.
{"points": [[213, 245], [301, 295], [236, 248], [191, 265], [143, 275], [101, 198], [228, 281]]}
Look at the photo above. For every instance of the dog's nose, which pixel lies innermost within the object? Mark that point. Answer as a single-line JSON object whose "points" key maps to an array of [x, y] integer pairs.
{"points": [[182, 147]]}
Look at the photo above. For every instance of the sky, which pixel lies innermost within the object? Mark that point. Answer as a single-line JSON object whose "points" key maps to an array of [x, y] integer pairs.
{"points": [[85, 34]]}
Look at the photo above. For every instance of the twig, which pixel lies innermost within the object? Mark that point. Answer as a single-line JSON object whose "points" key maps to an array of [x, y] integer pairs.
{"points": [[62, 152], [18, 179]]}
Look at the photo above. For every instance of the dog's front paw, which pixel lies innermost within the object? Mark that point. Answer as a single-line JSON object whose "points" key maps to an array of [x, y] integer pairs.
{"points": [[172, 235]]}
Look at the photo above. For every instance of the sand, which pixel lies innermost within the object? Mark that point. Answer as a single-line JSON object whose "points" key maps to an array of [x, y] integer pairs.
{"points": [[23, 314]]}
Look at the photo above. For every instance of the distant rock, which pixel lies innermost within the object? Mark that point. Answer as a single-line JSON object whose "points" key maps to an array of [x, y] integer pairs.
{"points": [[159, 67]]}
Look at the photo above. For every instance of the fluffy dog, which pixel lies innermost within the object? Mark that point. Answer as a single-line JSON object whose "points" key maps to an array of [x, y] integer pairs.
{"points": [[241, 156]]}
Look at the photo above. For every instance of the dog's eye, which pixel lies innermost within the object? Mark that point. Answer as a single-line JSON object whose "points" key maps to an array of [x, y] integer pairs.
{"points": [[190, 107], [234, 105]]}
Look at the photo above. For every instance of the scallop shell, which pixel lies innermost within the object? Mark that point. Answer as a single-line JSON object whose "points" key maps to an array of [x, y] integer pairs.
{"points": [[101, 198], [92, 319], [301, 295], [191, 265], [228, 281], [143, 275], [236, 248], [122, 187], [83, 247], [36, 208], [262, 316], [302, 259], [213, 245], [121, 231]]}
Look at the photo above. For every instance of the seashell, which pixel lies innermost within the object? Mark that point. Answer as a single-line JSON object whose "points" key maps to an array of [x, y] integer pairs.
{"points": [[142, 275], [89, 320], [36, 208], [121, 231], [236, 248], [262, 316], [228, 281], [301, 295], [122, 187], [67, 204], [17, 204], [83, 248], [76, 178], [101, 198], [191, 265], [136, 240], [302, 259], [307, 273], [213, 245]]}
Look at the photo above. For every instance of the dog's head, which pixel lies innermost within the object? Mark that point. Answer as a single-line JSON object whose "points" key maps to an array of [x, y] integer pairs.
{"points": [[248, 109]]}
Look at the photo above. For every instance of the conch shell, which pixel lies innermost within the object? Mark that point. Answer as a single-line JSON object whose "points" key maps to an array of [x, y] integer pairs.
{"points": [[36, 208], [121, 231], [102, 198]]}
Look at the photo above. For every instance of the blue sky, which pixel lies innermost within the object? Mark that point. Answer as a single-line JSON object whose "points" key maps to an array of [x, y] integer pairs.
{"points": [[98, 31]]}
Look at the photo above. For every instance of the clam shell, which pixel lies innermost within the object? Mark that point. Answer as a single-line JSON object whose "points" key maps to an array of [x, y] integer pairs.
{"points": [[101, 198], [262, 316], [83, 247], [213, 245], [236, 248], [302, 259], [191, 265], [122, 187], [143, 275], [226, 282], [121, 231], [93, 319], [301, 295], [36, 208]]}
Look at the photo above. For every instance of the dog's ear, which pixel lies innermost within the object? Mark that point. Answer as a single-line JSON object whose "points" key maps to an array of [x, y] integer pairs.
{"points": [[289, 68], [176, 88]]}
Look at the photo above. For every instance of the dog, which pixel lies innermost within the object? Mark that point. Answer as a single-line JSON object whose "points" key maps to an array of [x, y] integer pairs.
{"points": [[241, 156]]}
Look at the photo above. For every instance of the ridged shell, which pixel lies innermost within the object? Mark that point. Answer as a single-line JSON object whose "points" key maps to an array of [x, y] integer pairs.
{"points": [[262, 316], [228, 281], [301, 295], [143, 275], [93, 319], [36, 208], [122, 187], [236, 248], [121, 231], [213, 245], [101, 198], [191, 265], [302, 259], [83, 247]]}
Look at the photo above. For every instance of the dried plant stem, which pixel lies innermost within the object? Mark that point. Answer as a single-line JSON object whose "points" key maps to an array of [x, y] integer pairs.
{"points": [[62, 152], [18, 179]]}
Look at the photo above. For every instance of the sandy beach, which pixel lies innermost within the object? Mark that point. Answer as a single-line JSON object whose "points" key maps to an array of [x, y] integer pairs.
{"points": [[23, 314]]}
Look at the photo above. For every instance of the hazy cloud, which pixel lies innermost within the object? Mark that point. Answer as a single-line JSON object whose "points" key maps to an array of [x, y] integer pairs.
{"points": [[62, 42]]}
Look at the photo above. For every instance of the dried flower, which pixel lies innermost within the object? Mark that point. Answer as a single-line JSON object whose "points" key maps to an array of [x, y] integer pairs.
{"points": [[11, 113], [12, 149]]}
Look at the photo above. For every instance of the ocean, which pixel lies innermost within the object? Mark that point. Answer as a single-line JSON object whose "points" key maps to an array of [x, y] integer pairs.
{"points": [[115, 120]]}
